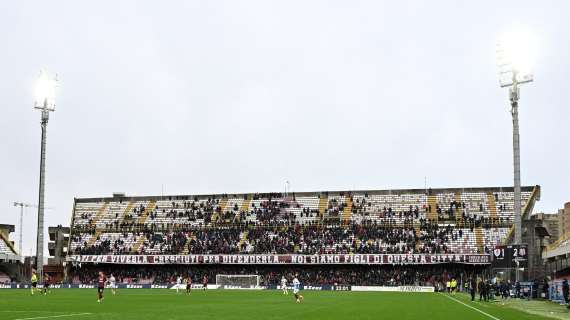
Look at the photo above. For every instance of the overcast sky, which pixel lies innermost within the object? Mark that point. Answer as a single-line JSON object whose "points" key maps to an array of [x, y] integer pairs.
{"points": [[239, 96]]}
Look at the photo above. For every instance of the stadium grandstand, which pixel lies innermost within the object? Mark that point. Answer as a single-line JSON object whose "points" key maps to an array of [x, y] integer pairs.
{"points": [[556, 257], [10, 260], [413, 131], [373, 237]]}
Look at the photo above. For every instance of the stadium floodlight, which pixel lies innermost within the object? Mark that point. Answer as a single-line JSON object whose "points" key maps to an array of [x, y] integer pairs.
{"points": [[23, 205], [44, 101], [515, 54], [45, 91]]}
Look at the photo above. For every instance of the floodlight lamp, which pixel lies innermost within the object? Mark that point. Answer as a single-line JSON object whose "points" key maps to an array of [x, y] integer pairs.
{"points": [[516, 54], [45, 91]]}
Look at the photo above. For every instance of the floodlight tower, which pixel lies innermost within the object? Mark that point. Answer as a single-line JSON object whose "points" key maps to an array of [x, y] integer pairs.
{"points": [[21, 205], [514, 53], [44, 101]]}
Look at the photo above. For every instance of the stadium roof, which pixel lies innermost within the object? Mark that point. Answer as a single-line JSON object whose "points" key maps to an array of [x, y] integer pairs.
{"points": [[313, 193], [560, 247], [7, 252]]}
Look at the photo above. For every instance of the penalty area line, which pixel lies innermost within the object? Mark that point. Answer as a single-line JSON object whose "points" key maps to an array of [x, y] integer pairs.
{"points": [[471, 307], [57, 316]]}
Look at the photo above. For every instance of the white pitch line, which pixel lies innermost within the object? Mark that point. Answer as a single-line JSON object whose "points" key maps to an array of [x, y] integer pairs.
{"points": [[43, 311], [468, 306], [58, 316]]}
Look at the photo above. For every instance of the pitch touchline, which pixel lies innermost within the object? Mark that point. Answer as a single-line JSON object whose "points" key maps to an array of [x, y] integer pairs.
{"points": [[468, 306], [42, 311], [59, 316]]}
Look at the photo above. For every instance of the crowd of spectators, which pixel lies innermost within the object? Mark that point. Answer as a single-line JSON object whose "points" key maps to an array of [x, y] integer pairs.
{"points": [[277, 209], [431, 275], [362, 238]]}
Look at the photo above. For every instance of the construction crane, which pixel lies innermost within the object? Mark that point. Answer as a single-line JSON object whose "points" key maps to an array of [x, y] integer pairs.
{"points": [[22, 206]]}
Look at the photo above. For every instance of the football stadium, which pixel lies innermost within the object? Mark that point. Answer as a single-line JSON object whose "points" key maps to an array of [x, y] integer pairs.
{"points": [[285, 160]]}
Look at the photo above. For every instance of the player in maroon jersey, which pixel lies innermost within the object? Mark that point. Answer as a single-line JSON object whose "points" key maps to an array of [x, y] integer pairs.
{"points": [[46, 284], [205, 282], [100, 286], [188, 284]]}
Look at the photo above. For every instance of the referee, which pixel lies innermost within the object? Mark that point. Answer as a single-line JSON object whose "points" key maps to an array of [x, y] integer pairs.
{"points": [[34, 282]]}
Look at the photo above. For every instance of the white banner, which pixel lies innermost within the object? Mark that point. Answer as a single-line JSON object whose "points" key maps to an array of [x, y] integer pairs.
{"points": [[363, 259]]}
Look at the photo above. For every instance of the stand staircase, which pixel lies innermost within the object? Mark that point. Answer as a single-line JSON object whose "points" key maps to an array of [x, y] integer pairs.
{"points": [[432, 202], [347, 211], [491, 205], [479, 239]]}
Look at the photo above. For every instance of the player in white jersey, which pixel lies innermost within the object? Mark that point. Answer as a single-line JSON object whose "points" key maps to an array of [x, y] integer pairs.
{"points": [[178, 283], [113, 284], [284, 285], [296, 289]]}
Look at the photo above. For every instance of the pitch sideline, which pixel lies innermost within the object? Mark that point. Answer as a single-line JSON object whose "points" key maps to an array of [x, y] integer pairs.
{"points": [[471, 307], [57, 316]]}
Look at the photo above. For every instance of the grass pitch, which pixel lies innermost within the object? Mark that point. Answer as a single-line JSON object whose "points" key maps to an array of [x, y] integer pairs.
{"points": [[157, 304]]}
